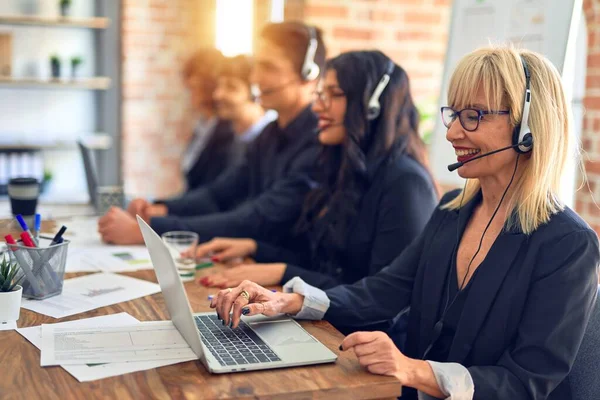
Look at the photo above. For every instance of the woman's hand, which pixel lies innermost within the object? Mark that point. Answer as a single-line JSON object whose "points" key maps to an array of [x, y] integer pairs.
{"points": [[258, 301], [262, 274], [225, 249], [137, 207], [146, 210], [378, 353]]}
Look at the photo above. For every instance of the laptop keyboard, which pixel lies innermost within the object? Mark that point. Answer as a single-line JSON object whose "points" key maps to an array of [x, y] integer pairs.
{"points": [[233, 346]]}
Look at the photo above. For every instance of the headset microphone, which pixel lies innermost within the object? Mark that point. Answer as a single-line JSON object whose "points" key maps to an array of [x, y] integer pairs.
{"points": [[527, 142]]}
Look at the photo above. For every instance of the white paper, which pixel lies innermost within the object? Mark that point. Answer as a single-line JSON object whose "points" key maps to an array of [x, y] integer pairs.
{"points": [[108, 259], [91, 291], [8, 325], [86, 373], [144, 341]]}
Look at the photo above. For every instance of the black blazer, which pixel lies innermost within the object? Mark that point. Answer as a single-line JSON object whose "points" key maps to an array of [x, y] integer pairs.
{"points": [[221, 151], [393, 211], [524, 316], [259, 197]]}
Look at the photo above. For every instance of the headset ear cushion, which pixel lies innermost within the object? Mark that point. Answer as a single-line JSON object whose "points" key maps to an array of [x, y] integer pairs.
{"points": [[515, 135]]}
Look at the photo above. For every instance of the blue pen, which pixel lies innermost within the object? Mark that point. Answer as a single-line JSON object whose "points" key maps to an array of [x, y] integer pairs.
{"points": [[38, 227], [25, 228]]}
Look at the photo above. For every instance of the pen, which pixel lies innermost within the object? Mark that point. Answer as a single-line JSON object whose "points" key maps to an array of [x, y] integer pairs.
{"points": [[37, 227], [23, 224], [26, 238], [23, 264], [58, 236]]}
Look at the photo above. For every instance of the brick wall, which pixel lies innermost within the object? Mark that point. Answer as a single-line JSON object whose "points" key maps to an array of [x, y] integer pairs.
{"points": [[590, 135], [412, 32], [157, 36]]}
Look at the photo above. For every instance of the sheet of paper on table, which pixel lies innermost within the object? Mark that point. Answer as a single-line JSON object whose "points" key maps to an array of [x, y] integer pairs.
{"points": [[92, 372], [91, 291], [108, 259], [8, 325], [143, 341]]}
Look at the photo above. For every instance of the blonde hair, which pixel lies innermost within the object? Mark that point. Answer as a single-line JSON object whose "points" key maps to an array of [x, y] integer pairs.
{"points": [[499, 72]]}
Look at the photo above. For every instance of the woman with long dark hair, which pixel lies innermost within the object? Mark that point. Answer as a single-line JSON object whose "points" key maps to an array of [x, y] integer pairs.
{"points": [[374, 193]]}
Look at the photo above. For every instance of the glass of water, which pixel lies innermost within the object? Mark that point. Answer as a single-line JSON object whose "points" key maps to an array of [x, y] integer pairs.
{"points": [[178, 242]]}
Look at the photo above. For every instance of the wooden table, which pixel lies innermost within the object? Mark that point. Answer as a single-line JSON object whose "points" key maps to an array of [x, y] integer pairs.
{"points": [[23, 378]]}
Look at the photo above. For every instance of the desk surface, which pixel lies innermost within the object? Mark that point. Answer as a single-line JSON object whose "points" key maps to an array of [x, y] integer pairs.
{"points": [[22, 376]]}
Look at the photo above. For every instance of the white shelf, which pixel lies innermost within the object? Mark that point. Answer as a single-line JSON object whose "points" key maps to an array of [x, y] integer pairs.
{"points": [[65, 22], [96, 83], [97, 141]]}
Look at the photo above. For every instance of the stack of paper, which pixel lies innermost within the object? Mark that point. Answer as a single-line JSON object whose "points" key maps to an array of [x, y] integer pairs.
{"points": [[159, 333], [91, 291]]}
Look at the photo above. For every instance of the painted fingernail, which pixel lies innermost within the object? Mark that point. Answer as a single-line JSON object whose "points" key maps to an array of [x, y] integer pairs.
{"points": [[215, 259], [210, 297], [223, 322], [245, 311], [341, 348]]}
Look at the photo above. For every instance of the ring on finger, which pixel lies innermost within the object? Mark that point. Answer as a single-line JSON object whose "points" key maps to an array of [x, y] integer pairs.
{"points": [[245, 295]]}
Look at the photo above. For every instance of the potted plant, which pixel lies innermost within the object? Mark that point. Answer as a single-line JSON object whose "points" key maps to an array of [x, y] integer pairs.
{"points": [[65, 7], [75, 63], [46, 181], [10, 291], [55, 66]]}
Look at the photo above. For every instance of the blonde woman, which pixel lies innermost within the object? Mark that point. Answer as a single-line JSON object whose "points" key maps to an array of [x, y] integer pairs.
{"points": [[502, 281]]}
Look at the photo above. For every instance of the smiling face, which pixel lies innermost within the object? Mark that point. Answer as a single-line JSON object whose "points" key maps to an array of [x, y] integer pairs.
{"points": [[330, 107], [494, 132]]}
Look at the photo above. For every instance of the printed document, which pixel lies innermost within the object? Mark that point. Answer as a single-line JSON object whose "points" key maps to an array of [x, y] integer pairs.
{"points": [[91, 291], [144, 341]]}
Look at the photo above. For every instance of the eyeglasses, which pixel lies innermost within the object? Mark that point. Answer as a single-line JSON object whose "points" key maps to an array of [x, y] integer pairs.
{"points": [[469, 117], [325, 97]]}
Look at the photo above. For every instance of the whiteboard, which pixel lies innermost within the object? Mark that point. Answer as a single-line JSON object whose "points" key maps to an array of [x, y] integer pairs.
{"points": [[548, 27]]}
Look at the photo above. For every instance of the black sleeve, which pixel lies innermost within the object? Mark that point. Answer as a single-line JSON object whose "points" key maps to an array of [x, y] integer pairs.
{"points": [[382, 296], [559, 305], [268, 253], [405, 208], [229, 188], [313, 278], [262, 218]]}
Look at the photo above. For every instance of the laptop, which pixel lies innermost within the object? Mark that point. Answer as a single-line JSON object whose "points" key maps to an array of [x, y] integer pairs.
{"points": [[258, 343]]}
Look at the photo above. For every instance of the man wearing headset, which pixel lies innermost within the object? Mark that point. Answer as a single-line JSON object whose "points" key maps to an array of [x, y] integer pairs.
{"points": [[275, 174]]}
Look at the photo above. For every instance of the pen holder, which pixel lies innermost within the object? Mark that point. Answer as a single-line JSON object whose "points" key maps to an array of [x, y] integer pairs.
{"points": [[43, 267]]}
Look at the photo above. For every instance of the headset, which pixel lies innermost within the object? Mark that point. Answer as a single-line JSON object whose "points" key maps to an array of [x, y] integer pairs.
{"points": [[373, 106], [522, 132], [310, 70]]}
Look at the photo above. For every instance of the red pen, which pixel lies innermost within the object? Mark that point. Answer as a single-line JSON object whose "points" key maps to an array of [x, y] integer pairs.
{"points": [[9, 239], [27, 239]]}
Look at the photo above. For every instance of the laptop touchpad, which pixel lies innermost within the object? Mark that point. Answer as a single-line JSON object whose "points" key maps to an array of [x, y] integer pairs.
{"points": [[281, 333]]}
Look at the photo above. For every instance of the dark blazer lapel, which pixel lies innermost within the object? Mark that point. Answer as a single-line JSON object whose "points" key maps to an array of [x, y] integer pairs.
{"points": [[438, 264], [487, 281], [434, 278]]}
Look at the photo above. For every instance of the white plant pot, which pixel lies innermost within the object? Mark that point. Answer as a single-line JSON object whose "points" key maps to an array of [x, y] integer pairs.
{"points": [[10, 304]]}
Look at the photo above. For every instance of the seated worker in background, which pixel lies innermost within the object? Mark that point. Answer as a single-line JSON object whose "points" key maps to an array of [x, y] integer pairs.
{"points": [[208, 152], [502, 281], [235, 103], [375, 192], [262, 196]]}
